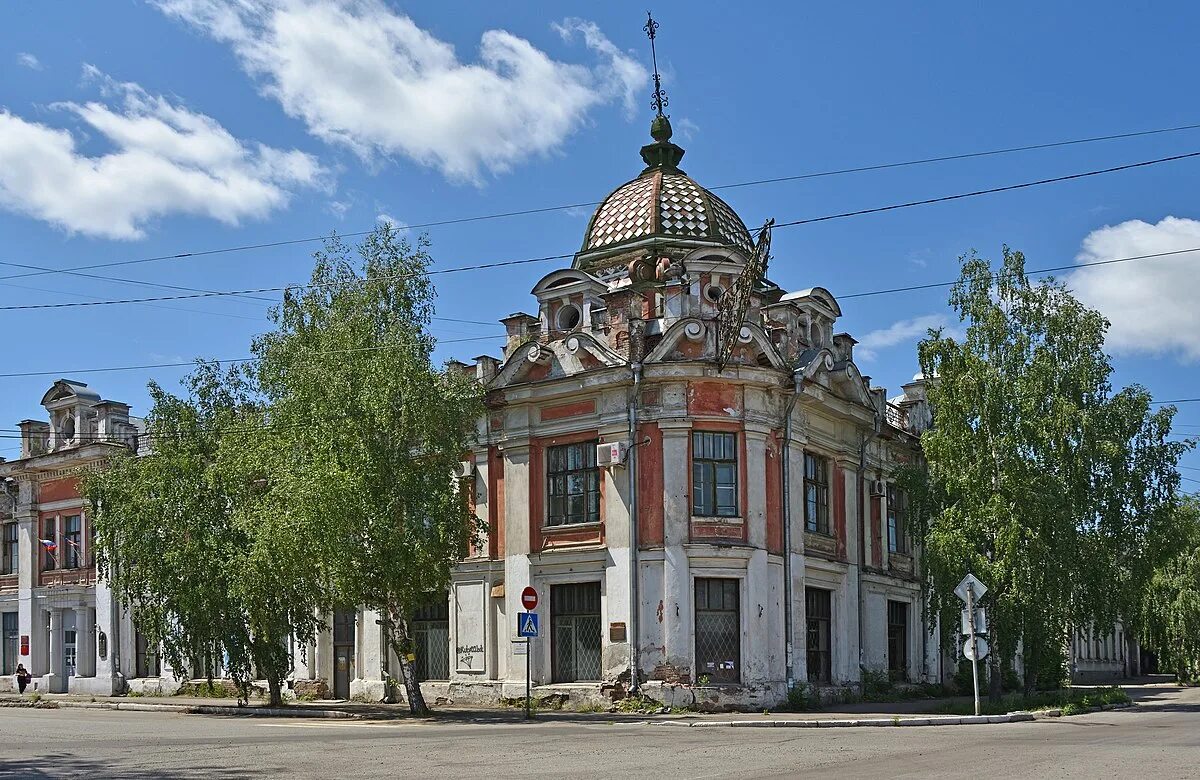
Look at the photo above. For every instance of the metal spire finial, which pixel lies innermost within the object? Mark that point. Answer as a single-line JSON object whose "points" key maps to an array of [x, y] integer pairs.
{"points": [[659, 102]]}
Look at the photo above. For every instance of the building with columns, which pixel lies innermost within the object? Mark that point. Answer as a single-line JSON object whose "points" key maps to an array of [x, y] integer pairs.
{"points": [[685, 462], [58, 619]]}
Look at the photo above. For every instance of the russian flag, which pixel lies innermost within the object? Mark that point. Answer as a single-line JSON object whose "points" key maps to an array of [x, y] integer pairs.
{"points": [[49, 544]]}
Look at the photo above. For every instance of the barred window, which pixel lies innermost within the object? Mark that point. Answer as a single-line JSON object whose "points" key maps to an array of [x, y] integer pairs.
{"points": [[818, 604], [816, 493], [714, 474], [896, 531], [718, 630], [897, 635], [573, 484]]}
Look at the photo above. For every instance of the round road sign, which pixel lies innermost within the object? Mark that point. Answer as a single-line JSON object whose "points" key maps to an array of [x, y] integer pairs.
{"points": [[529, 598]]}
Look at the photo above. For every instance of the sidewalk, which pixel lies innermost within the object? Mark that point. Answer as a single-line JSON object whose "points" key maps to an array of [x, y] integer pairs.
{"points": [[919, 712]]}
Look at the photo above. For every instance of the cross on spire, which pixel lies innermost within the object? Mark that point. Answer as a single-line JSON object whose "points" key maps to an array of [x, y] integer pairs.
{"points": [[659, 101]]}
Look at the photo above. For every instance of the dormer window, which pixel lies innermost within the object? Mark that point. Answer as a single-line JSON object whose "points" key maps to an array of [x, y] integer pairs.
{"points": [[66, 426], [569, 317]]}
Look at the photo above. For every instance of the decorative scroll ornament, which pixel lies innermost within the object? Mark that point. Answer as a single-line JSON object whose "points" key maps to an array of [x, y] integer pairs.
{"points": [[735, 303]]}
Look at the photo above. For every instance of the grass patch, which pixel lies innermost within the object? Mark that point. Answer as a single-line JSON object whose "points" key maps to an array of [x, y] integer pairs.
{"points": [[1072, 701]]}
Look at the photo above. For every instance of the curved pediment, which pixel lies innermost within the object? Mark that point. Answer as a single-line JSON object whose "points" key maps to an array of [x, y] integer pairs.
{"points": [[535, 361], [696, 340]]}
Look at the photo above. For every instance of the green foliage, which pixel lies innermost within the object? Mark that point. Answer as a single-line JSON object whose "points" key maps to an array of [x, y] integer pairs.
{"points": [[1056, 491], [876, 684], [365, 433], [1071, 701], [187, 544], [802, 697], [1170, 609]]}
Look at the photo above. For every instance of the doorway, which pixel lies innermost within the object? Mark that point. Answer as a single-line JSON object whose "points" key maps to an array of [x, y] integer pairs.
{"points": [[575, 632], [343, 651]]}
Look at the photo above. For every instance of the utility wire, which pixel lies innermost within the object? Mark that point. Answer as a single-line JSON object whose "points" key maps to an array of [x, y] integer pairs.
{"points": [[793, 223], [545, 209]]}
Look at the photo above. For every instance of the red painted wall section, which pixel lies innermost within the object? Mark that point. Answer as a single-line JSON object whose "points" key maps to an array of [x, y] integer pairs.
{"points": [[650, 486], [774, 495], [876, 532], [715, 398], [496, 502], [839, 510], [561, 411], [58, 489]]}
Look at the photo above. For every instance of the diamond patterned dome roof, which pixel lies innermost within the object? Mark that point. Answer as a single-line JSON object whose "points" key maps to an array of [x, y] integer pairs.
{"points": [[664, 202]]}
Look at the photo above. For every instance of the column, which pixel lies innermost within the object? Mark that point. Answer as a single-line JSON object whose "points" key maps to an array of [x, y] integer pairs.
{"points": [[517, 574], [85, 654], [677, 581], [853, 658], [29, 617], [795, 478], [54, 679], [762, 643]]}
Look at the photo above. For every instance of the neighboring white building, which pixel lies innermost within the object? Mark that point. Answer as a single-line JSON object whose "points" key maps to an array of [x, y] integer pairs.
{"points": [[58, 619]]}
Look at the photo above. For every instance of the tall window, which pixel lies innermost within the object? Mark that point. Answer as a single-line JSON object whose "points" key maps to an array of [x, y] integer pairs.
{"points": [[897, 628], [897, 533], [818, 604], [575, 631], [431, 635], [146, 663], [714, 474], [49, 544], [816, 493], [11, 550], [72, 550], [718, 630], [8, 643], [573, 482]]}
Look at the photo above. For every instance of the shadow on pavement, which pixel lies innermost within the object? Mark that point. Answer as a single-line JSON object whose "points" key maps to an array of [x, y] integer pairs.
{"points": [[62, 765]]}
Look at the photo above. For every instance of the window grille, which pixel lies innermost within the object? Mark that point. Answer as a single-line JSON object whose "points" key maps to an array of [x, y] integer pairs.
{"points": [[718, 630], [818, 604], [575, 631]]}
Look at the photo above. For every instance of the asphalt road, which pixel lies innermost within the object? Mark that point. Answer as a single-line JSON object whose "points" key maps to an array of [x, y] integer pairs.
{"points": [[1159, 739]]}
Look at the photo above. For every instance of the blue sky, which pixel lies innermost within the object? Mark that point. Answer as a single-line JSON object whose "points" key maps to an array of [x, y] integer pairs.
{"points": [[132, 129]]}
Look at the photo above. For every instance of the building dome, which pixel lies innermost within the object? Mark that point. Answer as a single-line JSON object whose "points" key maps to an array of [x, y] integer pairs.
{"points": [[664, 202]]}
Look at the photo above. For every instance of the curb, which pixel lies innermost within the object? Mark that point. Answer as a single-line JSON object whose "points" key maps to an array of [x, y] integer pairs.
{"points": [[937, 720], [193, 709]]}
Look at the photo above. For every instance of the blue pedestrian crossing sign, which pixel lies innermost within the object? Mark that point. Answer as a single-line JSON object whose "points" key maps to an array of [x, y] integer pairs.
{"points": [[527, 624]]}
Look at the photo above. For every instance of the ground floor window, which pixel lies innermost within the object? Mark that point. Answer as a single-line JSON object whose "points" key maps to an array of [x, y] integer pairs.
{"points": [[718, 630], [818, 604], [431, 636], [575, 631], [9, 638], [146, 663], [897, 634], [70, 658]]}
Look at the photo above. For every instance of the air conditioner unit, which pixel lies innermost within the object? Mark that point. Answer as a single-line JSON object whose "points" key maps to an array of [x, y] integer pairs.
{"points": [[878, 487], [611, 453], [465, 469]]}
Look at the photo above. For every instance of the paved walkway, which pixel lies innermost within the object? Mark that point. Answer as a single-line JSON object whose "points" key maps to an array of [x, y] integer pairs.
{"points": [[1142, 690]]}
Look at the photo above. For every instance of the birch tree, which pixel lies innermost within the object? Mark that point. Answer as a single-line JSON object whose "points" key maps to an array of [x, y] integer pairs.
{"points": [[1048, 485], [365, 432]]}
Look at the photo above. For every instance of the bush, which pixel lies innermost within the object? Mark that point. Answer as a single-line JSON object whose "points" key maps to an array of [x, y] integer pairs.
{"points": [[802, 697], [876, 685]]}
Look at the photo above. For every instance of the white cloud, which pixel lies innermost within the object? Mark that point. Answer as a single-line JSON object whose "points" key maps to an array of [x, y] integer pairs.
{"points": [[1151, 303], [27, 60], [869, 345], [365, 77], [687, 128], [165, 159]]}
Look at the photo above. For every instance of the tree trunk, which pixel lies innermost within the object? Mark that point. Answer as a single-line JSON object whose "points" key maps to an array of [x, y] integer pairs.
{"points": [[401, 644], [1031, 665], [275, 687]]}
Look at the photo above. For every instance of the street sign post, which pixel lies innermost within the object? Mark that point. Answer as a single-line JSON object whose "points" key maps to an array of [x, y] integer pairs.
{"points": [[527, 627], [970, 590], [978, 626]]}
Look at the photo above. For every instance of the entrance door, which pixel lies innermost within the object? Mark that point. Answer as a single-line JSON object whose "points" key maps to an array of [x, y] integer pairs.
{"points": [[575, 631], [343, 652]]}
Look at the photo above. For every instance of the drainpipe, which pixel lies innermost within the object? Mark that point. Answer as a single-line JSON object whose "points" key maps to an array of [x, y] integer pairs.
{"points": [[634, 599], [786, 460]]}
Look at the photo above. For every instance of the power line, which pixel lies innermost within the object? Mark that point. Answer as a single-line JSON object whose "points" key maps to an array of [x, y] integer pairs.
{"points": [[546, 209], [993, 190], [810, 220], [224, 361]]}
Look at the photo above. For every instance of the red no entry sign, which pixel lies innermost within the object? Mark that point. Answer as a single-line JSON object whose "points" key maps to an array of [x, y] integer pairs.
{"points": [[529, 598]]}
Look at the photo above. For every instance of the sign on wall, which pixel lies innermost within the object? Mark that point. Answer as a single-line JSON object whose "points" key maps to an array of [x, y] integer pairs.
{"points": [[469, 606]]}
